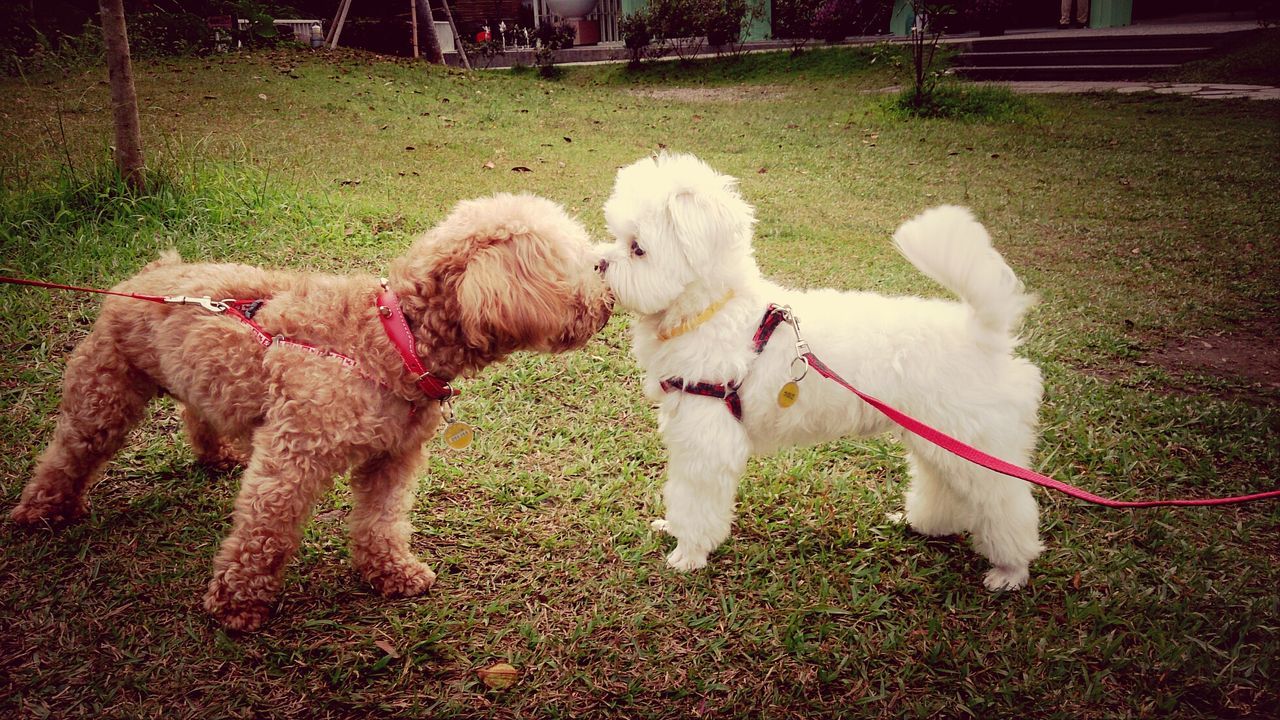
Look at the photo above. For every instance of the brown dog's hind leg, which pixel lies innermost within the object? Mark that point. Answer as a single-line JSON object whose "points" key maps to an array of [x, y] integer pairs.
{"points": [[103, 397], [383, 489]]}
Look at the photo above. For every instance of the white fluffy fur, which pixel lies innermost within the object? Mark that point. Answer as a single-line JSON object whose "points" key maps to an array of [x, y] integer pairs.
{"points": [[950, 364]]}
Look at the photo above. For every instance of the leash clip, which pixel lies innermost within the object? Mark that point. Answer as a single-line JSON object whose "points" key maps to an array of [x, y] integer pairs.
{"points": [[208, 303], [802, 347]]}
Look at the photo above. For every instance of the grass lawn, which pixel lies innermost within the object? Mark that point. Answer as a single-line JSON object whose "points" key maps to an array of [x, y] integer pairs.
{"points": [[1148, 225]]}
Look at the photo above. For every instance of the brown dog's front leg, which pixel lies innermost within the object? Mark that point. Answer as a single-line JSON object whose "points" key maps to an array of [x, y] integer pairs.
{"points": [[279, 489], [380, 529]]}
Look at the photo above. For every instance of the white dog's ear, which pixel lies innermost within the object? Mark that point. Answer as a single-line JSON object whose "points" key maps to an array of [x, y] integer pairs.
{"points": [[711, 220]]}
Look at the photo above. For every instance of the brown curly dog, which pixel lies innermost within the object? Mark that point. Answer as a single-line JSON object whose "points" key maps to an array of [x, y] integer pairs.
{"points": [[500, 274]]}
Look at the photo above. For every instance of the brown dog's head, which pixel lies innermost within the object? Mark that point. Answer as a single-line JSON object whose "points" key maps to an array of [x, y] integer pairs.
{"points": [[500, 274]]}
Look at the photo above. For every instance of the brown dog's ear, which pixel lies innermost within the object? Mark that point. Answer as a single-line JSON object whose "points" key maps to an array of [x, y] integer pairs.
{"points": [[509, 296]]}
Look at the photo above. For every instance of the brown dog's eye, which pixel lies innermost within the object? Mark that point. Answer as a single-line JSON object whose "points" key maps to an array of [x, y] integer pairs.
{"points": [[636, 249]]}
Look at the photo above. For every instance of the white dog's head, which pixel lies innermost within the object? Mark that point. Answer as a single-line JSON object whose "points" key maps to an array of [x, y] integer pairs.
{"points": [[678, 223]]}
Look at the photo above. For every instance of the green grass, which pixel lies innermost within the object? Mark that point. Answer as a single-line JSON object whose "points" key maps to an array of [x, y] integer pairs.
{"points": [[1138, 220]]}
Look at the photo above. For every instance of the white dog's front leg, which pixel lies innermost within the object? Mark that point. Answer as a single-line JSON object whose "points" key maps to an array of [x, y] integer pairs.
{"points": [[707, 458]]}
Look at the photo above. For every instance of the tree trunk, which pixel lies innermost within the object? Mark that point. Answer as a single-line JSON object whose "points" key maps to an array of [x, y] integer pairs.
{"points": [[124, 99], [427, 31]]}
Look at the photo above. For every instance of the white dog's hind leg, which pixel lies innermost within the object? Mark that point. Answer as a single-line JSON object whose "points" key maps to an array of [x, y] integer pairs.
{"points": [[999, 511], [933, 507], [1005, 531], [702, 481]]}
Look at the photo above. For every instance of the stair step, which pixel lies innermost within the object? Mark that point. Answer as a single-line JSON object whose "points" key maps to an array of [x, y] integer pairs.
{"points": [[1062, 72], [1068, 41], [1118, 56]]}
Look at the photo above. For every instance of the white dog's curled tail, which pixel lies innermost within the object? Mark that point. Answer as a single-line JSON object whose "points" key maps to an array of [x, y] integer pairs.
{"points": [[949, 245]]}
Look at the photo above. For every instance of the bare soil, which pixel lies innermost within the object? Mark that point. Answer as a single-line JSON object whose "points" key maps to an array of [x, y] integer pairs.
{"points": [[715, 94], [1241, 362]]}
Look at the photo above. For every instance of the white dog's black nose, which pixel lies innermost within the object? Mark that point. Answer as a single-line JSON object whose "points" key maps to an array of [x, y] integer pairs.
{"points": [[602, 266]]}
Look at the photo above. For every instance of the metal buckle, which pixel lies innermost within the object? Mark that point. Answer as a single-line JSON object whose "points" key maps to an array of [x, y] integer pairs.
{"points": [[208, 303]]}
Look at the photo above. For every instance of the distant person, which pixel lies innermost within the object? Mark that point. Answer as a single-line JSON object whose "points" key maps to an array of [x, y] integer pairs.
{"points": [[1082, 14]]}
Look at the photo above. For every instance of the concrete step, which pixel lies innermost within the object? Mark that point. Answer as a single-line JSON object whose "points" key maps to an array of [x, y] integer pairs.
{"points": [[1086, 41], [1062, 72], [1115, 56]]}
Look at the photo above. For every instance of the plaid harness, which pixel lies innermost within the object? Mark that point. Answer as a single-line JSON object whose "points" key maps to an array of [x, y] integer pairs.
{"points": [[728, 391]]}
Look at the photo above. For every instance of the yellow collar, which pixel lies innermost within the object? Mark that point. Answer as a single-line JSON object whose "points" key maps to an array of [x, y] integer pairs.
{"points": [[694, 322]]}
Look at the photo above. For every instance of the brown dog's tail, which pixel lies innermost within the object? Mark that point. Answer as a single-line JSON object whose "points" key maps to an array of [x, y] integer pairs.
{"points": [[168, 257]]}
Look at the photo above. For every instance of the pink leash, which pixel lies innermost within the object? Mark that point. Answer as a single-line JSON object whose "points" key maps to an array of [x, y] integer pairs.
{"points": [[977, 457]]}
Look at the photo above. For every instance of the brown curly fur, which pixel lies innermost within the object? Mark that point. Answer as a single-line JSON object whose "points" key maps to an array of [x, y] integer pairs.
{"points": [[500, 274]]}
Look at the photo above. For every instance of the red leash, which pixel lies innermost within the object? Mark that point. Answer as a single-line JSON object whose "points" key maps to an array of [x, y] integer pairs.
{"points": [[55, 286], [990, 462]]}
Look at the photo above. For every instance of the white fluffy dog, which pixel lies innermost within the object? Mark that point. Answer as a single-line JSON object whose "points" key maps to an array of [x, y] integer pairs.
{"points": [[683, 262]]}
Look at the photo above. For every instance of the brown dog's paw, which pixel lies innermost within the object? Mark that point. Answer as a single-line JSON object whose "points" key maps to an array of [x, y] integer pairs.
{"points": [[404, 579], [32, 513], [222, 464], [240, 616]]}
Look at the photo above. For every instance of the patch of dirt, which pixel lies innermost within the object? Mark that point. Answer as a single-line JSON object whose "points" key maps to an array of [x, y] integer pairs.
{"points": [[1246, 359], [715, 94]]}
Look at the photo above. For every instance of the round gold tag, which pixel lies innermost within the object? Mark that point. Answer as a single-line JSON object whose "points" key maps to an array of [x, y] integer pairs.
{"points": [[788, 394], [458, 435]]}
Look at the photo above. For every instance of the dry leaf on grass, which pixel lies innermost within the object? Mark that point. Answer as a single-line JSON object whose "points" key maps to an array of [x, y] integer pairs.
{"points": [[499, 676]]}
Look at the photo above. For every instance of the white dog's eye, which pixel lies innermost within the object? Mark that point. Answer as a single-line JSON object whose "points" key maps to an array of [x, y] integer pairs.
{"points": [[636, 249]]}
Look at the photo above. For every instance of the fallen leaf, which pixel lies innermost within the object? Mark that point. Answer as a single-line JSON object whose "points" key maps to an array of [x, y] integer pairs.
{"points": [[262, 96], [521, 168], [762, 171], [388, 648], [568, 139], [489, 165], [499, 676], [409, 147]]}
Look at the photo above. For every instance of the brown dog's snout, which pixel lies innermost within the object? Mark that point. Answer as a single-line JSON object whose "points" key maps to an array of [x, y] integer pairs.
{"points": [[602, 266]]}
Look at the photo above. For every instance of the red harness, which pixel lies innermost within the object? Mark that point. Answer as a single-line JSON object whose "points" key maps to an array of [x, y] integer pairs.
{"points": [[389, 312]]}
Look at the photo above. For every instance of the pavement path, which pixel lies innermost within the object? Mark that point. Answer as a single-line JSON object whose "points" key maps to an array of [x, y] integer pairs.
{"points": [[1207, 91]]}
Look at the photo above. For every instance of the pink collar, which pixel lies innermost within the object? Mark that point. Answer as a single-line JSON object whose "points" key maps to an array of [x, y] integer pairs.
{"points": [[401, 337]]}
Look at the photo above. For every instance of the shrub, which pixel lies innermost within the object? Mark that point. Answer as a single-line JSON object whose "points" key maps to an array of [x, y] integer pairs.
{"points": [[793, 20], [161, 34], [636, 36], [682, 24], [725, 24], [953, 101], [552, 38], [830, 20]]}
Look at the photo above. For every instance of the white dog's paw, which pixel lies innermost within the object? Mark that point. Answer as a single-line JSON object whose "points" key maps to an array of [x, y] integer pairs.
{"points": [[684, 560], [659, 525], [1005, 578]]}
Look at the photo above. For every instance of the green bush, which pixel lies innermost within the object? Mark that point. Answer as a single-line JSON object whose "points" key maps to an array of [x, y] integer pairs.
{"points": [[162, 34], [725, 24], [794, 20], [953, 101], [636, 36], [552, 38]]}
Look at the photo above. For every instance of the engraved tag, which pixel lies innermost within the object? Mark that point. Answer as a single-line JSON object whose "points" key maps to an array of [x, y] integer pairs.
{"points": [[788, 394], [458, 435]]}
